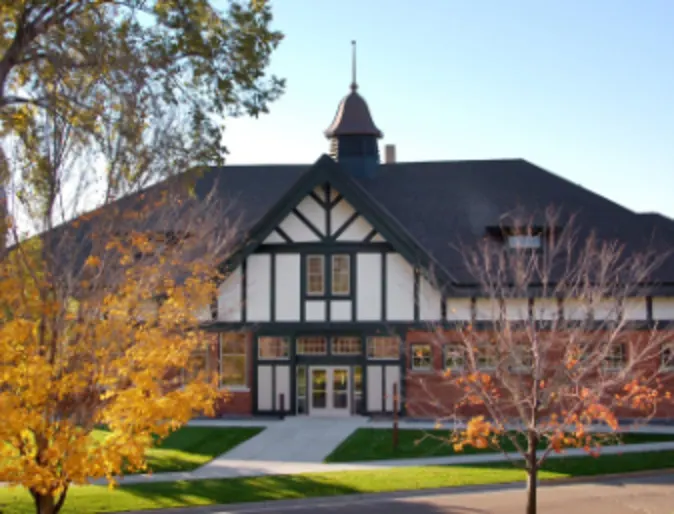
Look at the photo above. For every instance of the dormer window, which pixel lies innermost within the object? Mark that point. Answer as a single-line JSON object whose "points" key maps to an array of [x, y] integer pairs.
{"points": [[524, 242]]}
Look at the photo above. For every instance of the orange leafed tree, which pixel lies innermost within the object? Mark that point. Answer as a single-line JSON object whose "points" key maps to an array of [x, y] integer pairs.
{"points": [[99, 320], [554, 358]]}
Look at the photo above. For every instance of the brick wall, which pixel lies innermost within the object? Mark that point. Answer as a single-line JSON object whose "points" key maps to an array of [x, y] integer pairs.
{"points": [[430, 394]]}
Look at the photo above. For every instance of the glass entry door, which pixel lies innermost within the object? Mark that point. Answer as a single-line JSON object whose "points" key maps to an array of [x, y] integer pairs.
{"points": [[330, 391]]}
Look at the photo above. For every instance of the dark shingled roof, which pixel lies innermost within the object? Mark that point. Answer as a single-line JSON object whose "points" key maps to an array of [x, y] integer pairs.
{"points": [[445, 204]]}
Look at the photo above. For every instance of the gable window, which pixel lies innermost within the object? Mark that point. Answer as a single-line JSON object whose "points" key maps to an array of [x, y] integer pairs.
{"points": [[615, 358], [421, 357], [269, 347], [667, 357], [453, 357], [341, 274], [315, 275], [524, 242], [233, 360]]}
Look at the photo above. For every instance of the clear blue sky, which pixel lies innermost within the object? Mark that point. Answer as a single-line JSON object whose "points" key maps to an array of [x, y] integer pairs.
{"points": [[582, 88]]}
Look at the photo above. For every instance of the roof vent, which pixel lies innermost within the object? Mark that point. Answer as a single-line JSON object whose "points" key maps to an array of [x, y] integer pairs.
{"points": [[390, 154]]}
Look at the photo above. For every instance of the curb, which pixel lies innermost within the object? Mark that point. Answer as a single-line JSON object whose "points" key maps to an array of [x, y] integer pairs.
{"points": [[589, 479]]}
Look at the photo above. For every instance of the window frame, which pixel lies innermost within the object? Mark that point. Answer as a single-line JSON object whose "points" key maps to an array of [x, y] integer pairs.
{"points": [[202, 350], [373, 339], [487, 350], [283, 339], [333, 259], [525, 242], [430, 357], [333, 346], [308, 274], [458, 348], [667, 366], [612, 369], [246, 373], [307, 339]]}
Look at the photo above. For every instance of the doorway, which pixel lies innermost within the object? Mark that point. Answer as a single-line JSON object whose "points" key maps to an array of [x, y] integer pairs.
{"points": [[329, 391]]}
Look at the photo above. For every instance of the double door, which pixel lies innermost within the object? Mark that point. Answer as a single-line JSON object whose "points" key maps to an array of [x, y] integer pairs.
{"points": [[329, 391]]}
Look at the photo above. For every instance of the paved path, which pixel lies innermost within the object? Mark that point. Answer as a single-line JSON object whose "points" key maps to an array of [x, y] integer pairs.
{"points": [[224, 467], [653, 495]]}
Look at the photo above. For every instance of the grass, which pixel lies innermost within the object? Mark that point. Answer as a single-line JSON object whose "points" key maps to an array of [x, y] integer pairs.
{"points": [[92, 499], [188, 448], [369, 444]]}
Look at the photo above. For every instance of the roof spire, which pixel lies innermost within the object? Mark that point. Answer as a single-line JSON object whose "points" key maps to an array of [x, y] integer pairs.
{"points": [[354, 84]]}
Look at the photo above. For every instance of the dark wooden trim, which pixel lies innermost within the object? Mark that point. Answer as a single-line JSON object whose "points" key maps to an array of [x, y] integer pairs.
{"points": [[353, 285], [370, 236], [327, 271], [349, 221], [322, 247], [283, 235], [272, 288], [383, 287], [417, 287], [443, 307], [244, 283], [334, 202], [383, 387], [320, 202], [649, 309], [402, 385], [309, 224], [254, 378], [328, 221], [303, 288]]}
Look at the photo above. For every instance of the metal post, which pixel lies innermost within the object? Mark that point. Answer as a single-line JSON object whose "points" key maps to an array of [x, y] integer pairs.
{"points": [[395, 416], [282, 404]]}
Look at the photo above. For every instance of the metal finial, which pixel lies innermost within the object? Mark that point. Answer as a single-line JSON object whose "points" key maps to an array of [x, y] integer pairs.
{"points": [[354, 84]]}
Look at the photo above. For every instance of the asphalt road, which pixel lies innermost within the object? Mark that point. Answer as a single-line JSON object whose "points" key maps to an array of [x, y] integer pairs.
{"points": [[652, 495]]}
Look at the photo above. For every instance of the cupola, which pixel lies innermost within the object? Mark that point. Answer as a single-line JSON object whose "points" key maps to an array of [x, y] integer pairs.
{"points": [[353, 134]]}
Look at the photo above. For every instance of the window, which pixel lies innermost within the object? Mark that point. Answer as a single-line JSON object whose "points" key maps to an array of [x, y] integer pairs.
{"points": [[233, 360], [269, 347], [341, 276], [301, 382], [421, 357], [521, 360], [382, 347], [346, 345], [315, 275], [312, 346], [485, 358], [667, 356], [197, 364], [615, 359], [524, 242], [453, 356]]}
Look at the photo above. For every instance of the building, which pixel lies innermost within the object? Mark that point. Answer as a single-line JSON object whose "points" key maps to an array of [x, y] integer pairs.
{"points": [[323, 305]]}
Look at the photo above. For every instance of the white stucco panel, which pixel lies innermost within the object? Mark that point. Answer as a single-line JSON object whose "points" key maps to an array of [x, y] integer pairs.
{"points": [[663, 308], [635, 309], [314, 212], [368, 286], [287, 275], [258, 287], [358, 230], [297, 230], [459, 309], [399, 288], [339, 214], [430, 301]]}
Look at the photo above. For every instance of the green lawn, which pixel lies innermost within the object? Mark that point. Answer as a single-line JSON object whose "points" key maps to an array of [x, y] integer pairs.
{"points": [[191, 447], [208, 492], [367, 444]]}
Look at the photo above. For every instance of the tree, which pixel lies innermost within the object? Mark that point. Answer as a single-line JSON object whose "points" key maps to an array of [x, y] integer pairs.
{"points": [[531, 381], [105, 339], [127, 79]]}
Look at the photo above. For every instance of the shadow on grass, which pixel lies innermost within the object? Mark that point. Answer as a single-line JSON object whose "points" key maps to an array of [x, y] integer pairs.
{"points": [[216, 493]]}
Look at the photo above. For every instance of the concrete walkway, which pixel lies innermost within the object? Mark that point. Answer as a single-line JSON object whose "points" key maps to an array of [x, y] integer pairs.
{"points": [[299, 445]]}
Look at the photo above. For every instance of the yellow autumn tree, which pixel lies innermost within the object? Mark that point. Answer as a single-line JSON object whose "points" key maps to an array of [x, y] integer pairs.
{"points": [[98, 320]]}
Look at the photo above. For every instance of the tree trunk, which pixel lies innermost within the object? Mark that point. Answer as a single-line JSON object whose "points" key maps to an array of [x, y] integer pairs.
{"points": [[532, 472], [48, 504]]}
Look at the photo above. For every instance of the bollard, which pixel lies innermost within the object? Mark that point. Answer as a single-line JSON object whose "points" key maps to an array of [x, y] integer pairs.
{"points": [[395, 416], [282, 405]]}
